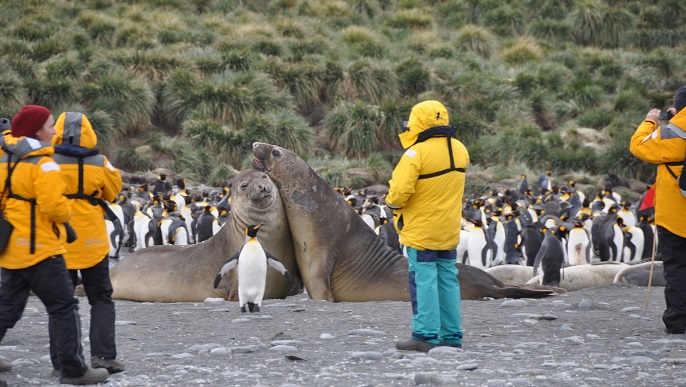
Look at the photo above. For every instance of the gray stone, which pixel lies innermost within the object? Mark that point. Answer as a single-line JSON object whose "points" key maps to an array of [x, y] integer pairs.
{"points": [[515, 303], [365, 332], [585, 304]]}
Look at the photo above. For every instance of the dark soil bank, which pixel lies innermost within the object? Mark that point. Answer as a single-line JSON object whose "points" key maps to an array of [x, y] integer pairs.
{"points": [[593, 337]]}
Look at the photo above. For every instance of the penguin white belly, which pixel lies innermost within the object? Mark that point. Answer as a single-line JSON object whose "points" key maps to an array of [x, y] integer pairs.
{"points": [[164, 228], [478, 250], [140, 228], [577, 247], [181, 236], [462, 246], [368, 220], [113, 238], [499, 240], [215, 227], [638, 241], [252, 274], [618, 241], [628, 217]]}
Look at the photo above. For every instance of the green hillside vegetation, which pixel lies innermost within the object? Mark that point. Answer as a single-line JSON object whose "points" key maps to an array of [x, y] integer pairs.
{"points": [[188, 85]]}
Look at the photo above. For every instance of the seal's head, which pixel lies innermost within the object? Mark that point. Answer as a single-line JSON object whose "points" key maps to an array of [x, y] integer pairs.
{"points": [[256, 187], [265, 156]]}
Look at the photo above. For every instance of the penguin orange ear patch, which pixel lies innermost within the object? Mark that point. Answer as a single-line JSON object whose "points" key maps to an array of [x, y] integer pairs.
{"points": [[562, 228]]}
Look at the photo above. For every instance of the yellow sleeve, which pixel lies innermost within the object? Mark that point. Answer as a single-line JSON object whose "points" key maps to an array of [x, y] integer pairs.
{"points": [[645, 143], [402, 184]]}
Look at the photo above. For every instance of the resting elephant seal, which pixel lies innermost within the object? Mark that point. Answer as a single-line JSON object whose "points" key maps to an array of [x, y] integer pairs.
{"points": [[587, 276], [340, 258], [186, 273], [512, 274], [639, 274]]}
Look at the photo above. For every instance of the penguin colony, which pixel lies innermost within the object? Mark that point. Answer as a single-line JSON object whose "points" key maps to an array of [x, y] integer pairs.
{"points": [[165, 214], [545, 226]]}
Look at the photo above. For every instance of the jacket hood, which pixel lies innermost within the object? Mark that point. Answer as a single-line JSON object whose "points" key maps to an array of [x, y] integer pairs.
{"points": [[26, 146], [73, 128], [424, 115]]}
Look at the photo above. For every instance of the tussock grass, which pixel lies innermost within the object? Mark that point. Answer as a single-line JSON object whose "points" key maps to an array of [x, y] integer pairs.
{"points": [[128, 100], [476, 39], [296, 71], [363, 41], [230, 96], [524, 51], [12, 93], [353, 128]]}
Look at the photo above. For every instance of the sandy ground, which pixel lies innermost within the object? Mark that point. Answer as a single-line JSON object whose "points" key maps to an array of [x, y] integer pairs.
{"points": [[596, 336]]}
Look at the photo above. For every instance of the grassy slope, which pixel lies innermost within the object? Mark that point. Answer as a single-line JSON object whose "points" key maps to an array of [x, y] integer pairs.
{"points": [[188, 85]]}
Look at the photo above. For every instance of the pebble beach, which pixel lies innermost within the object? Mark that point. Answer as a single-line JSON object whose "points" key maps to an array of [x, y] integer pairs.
{"points": [[591, 337]]}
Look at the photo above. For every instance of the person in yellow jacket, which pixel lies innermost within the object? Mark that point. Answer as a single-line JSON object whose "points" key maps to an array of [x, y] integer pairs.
{"points": [[33, 202], [425, 194], [665, 145], [90, 179]]}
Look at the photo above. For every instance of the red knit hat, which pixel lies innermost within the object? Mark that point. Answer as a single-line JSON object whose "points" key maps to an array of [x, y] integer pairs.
{"points": [[29, 120]]}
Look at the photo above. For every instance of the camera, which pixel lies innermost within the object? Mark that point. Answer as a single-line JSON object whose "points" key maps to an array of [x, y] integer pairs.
{"points": [[666, 115]]}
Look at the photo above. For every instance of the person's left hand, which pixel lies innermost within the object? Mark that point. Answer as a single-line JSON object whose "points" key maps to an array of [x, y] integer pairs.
{"points": [[654, 114]]}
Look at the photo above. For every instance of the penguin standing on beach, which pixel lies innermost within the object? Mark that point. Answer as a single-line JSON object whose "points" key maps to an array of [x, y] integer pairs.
{"points": [[551, 256], [252, 261]]}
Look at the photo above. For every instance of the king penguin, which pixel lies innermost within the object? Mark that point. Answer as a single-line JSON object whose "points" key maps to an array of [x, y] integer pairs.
{"points": [[578, 244], [479, 247], [550, 257], [252, 261]]}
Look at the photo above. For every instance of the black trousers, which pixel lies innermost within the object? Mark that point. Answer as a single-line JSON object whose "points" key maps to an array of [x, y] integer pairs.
{"points": [[96, 283], [50, 281], [674, 263]]}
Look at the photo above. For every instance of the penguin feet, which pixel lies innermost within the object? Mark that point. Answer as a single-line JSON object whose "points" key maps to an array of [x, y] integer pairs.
{"points": [[243, 309], [254, 308]]}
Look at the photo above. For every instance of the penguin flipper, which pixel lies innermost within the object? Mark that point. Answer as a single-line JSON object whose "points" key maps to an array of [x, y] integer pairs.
{"points": [[230, 264], [276, 264], [539, 257]]}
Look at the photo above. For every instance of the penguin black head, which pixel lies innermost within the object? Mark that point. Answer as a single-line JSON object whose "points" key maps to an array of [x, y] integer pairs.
{"points": [[251, 230]]}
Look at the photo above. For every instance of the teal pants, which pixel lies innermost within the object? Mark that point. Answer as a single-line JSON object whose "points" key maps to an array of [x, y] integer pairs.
{"points": [[435, 294]]}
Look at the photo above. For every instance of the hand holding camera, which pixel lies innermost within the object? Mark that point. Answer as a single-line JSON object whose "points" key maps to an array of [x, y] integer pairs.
{"points": [[666, 115]]}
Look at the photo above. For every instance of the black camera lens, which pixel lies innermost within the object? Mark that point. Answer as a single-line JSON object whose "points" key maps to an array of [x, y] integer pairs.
{"points": [[665, 115]]}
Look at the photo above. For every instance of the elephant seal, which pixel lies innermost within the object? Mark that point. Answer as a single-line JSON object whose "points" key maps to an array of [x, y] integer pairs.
{"points": [[587, 276], [186, 273], [340, 258], [639, 274], [512, 274]]}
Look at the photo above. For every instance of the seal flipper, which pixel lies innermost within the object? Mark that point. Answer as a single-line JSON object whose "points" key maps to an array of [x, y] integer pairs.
{"points": [[230, 264]]}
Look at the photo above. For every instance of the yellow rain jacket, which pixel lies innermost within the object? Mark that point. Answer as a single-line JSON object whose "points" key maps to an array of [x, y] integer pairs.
{"points": [[427, 186], [37, 208], [666, 147], [75, 142]]}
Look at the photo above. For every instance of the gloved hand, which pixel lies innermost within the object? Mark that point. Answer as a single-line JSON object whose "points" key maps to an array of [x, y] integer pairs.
{"points": [[71, 234]]}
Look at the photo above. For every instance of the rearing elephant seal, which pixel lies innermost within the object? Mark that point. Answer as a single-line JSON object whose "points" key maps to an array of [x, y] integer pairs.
{"points": [[186, 273], [340, 258]]}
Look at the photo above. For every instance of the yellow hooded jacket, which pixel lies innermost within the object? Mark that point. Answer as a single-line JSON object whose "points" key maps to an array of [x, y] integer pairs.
{"points": [[665, 146], [39, 231], [426, 190], [75, 140]]}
